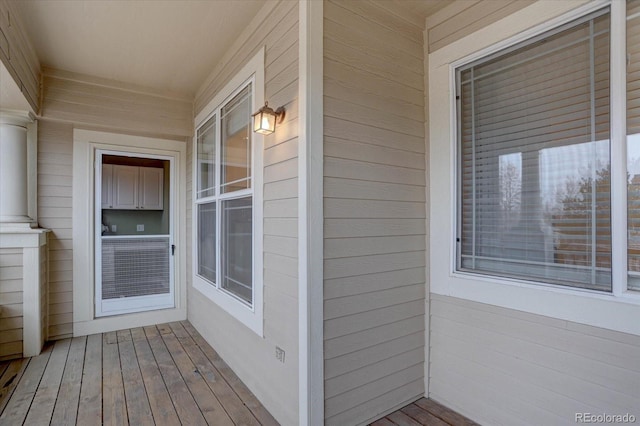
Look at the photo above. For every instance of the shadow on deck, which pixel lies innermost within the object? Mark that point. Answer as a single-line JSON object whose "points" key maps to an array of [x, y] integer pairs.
{"points": [[165, 374]]}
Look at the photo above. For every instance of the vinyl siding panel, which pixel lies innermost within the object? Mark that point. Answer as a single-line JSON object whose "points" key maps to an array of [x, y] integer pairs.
{"points": [[374, 209], [18, 55], [463, 17], [90, 101], [11, 303], [500, 366], [252, 357], [55, 169]]}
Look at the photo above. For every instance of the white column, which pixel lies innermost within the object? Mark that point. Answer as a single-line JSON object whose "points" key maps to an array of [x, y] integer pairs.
{"points": [[14, 194]]}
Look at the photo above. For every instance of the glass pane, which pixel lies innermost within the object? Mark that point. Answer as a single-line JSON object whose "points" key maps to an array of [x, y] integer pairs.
{"points": [[207, 159], [633, 142], [237, 248], [534, 160], [236, 143], [207, 241]]}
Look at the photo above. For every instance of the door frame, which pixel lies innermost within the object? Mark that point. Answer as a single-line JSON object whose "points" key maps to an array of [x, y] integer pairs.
{"points": [[138, 303], [85, 146]]}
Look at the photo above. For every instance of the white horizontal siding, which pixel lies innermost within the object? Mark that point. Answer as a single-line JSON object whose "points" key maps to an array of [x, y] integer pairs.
{"points": [[11, 303], [374, 209], [55, 155], [499, 366], [89, 101], [18, 55], [463, 17], [250, 356]]}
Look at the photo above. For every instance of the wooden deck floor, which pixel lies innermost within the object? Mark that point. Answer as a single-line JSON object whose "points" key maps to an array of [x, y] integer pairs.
{"points": [[165, 375], [424, 412]]}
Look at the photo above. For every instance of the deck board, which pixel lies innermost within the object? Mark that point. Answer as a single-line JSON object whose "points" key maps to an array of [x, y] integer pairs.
{"points": [[258, 410], [183, 401], [162, 374], [209, 405], [114, 409], [66, 409], [10, 378], [138, 407], [159, 399], [232, 403], [90, 406], [45, 398], [18, 406], [424, 412], [165, 374]]}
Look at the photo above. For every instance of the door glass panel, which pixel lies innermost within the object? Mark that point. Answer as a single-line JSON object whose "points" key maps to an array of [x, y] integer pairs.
{"points": [[135, 243]]}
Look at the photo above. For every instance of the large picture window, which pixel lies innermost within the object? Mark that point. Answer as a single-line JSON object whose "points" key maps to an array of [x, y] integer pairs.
{"points": [[224, 198], [534, 159], [534, 164]]}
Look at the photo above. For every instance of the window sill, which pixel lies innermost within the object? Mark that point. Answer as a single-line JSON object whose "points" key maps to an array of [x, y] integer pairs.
{"points": [[604, 310]]}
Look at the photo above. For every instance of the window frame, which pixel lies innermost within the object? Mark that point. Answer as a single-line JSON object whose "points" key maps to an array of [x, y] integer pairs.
{"points": [[460, 213], [251, 315], [617, 310]]}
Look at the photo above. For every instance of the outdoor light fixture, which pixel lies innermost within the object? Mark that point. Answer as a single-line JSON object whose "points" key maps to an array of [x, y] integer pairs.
{"points": [[264, 121]]}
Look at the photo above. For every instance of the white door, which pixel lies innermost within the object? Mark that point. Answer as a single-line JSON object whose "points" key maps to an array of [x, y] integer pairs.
{"points": [[134, 245]]}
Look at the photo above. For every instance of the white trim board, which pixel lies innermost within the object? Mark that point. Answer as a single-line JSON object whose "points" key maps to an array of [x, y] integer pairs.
{"points": [[310, 215], [85, 143]]}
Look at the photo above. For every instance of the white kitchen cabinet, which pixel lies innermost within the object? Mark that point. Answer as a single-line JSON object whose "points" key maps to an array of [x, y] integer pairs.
{"points": [[125, 187], [133, 188], [107, 186], [151, 194]]}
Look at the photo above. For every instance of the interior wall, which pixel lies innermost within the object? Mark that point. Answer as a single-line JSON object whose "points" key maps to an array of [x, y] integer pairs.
{"points": [[374, 208], [253, 357]]}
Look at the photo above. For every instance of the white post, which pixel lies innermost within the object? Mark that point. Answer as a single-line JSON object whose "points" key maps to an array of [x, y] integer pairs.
{"points": [[16, 222], [32, 289], [14, 194]]}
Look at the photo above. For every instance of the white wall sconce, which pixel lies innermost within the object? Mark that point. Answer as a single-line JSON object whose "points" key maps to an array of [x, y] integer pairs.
{"points": [[265, 120]]}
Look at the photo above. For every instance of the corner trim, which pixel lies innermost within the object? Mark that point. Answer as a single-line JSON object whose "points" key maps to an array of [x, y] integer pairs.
{"points": [[310, 215]]}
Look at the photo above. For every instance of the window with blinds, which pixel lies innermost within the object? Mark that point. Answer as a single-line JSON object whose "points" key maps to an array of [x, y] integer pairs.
{"points": [[534, 159], [633, 143], [224, 198]]}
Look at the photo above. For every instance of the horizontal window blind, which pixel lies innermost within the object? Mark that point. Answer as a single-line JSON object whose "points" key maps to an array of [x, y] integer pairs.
{"points": [[533, 159]]}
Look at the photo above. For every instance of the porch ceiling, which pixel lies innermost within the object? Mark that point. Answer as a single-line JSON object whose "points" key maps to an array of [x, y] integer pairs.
{"points": [[167, 45]]}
